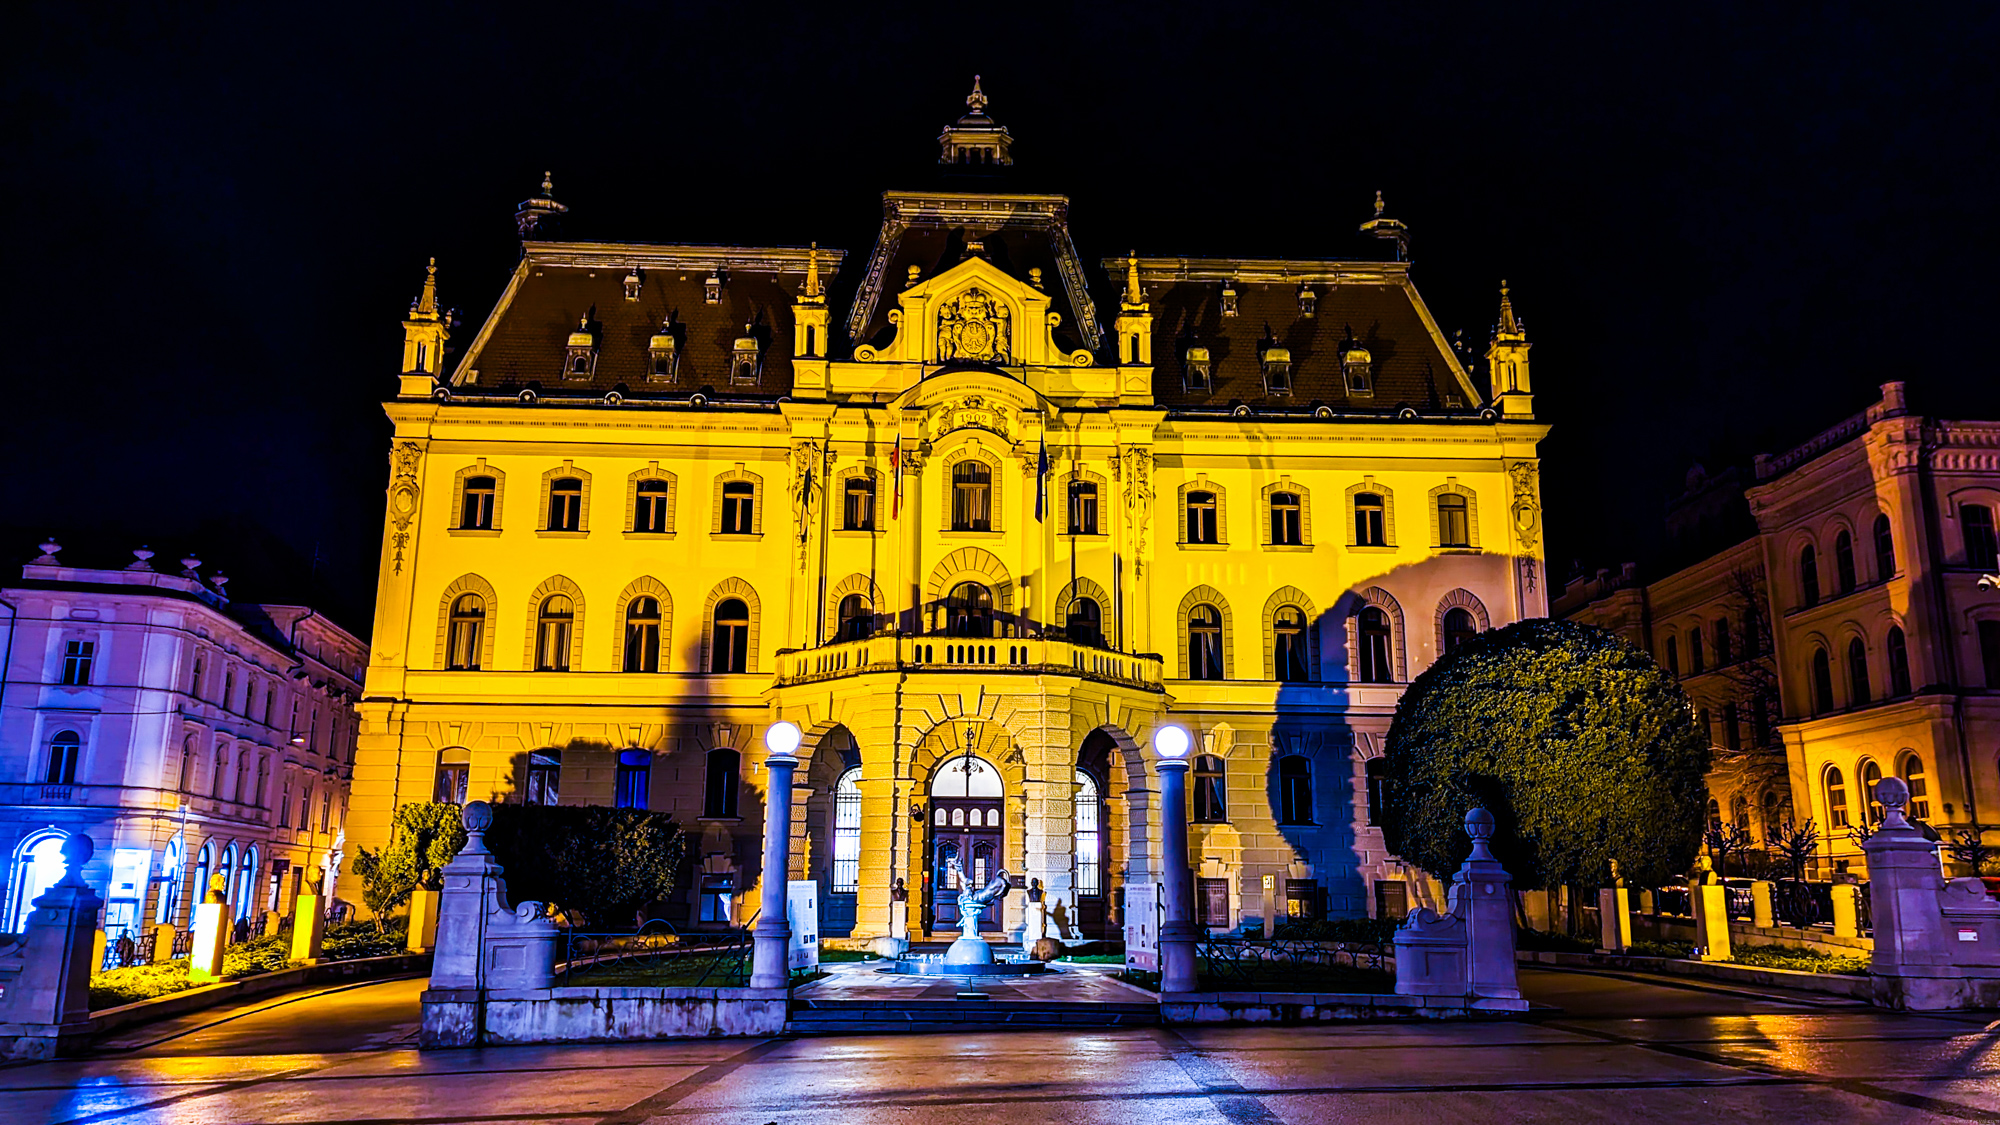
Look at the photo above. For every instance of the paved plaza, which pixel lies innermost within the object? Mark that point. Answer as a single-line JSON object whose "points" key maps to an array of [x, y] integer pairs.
{"points": [[1624, 1048]]}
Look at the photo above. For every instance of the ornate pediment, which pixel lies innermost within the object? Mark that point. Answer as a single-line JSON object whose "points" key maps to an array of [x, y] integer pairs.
{"points": [[974, 313]]}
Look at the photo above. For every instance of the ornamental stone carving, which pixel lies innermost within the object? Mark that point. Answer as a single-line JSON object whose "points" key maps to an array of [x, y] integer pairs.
{"points": [[973, 412], [1527, 504], [1136, 469], [403, 494], [975, 327]]}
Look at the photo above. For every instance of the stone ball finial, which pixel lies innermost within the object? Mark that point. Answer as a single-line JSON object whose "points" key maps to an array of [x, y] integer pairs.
{"points": [[1479, 824], [478, 816], [1892, 793], [77, 848], [50, 547]]}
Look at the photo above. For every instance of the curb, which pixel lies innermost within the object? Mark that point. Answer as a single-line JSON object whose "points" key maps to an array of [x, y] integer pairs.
{"points": [[1826, 984]]}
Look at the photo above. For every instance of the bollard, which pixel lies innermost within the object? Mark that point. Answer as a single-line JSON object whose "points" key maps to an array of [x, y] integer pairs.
{"points": [[1646, 903], [1614, 917], [1846, 910], [1762, 915], [423, 920], [308, 927]]}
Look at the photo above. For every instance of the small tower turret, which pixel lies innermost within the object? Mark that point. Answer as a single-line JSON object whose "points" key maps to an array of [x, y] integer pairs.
{"points": [[424, 332], [1507, 363], [975, 138], [538, 215], [1134, 326], [809, 311], [1394, 230]]}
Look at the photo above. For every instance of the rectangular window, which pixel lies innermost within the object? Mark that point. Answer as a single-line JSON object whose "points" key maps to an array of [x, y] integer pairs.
{"points": [[1982, 548], [284, 799], [649, 509], [739, 499], [1368, 523], [1392, 899], [971, 497], [1302, 899], [1285, 519], [477, 512], [1082, 508], [1201, 517], [858, 504], [1732, 728], [1454, 529], [78, 656], [634, 780], [566, 504], [1215, 903], [451, 784]]}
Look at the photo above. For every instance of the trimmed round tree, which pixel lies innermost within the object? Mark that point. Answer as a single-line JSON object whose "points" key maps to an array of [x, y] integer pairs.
{"points": [[1583, 749]]}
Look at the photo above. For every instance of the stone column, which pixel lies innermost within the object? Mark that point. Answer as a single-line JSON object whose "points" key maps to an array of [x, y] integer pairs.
{"points": [[1482, 895], [1177, 931], [773, 937]]}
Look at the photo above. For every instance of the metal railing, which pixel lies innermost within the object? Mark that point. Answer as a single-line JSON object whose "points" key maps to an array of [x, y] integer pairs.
{"points": [[659, 951], [893, 652], [1247, 959]]}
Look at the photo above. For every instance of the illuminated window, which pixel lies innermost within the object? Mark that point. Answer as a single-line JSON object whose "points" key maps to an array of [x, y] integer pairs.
{"points": [[1285, 511], [1919, 785], [454, 775], [730, 651], [642, 635], [1368, 512], [1204, 643], [847, 833], [1295, 790], [565, 504], [1089, 837], [1871, 776], [544, 776], [1211, 800], [476, 505], [1454, 526], [739, 507], [78, 657], [649, 507], [463, 633], [971, 496], [1201, 517], [553, 628]]}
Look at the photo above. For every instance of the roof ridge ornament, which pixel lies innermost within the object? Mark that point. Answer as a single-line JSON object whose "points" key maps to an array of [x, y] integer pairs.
{"points": [[1135, 295], [813, 294], [977, 98], [1509, 324], [425, 307], [1393, 230], [538, 212]]}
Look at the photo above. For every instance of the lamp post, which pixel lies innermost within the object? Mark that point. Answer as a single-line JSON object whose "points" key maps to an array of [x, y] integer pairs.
{"points": [[771, 943], [1177, 931]]}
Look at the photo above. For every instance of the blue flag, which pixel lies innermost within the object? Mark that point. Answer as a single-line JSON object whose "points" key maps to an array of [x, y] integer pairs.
{"points": [[1042, 482]]}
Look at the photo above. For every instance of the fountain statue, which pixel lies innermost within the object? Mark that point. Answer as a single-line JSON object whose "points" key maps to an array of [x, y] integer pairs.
{"points": [[970, 948]]}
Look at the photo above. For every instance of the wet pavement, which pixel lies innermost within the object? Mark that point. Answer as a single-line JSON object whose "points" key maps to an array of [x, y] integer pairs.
{"points": [[1625, 1047], [1068, 984]]}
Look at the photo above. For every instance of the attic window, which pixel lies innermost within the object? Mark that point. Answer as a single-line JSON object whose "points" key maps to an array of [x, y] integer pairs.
{"points": [[1228, 298], [711, 287], [1200, 370], [580, 362], [666, 358], [1308, 301], [743, 359], [632, 284], [1359, 368], [1278, 371]]}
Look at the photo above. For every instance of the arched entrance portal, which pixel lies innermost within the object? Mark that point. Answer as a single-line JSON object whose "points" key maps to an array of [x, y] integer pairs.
{"points": [[964, 827], [1094, 762]]}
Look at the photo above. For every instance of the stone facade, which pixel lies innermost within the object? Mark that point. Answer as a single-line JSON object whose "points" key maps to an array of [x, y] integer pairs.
{"points": [[176, 728], [926, 506]]}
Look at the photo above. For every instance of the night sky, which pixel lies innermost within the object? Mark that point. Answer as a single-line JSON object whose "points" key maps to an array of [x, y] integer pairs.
{"points": [[1723, 228]]}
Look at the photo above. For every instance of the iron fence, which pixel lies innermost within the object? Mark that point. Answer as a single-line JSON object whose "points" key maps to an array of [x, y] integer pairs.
{"points": [[124, 947], [657, 953], [1673, 902], [1740, 902], [1801, 905]]}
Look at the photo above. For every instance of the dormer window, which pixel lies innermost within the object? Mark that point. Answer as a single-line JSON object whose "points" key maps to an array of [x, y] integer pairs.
{"points": [[666, 357], [1200, 370], [711, 287], [1228, 298], [1278, 371], [743, 359], [1358, 368], [632, 284], [1308, 301], [580, 360]]}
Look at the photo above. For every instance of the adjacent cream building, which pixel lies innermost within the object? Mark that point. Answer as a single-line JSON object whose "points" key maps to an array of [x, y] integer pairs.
{"points": [[977, 529]]}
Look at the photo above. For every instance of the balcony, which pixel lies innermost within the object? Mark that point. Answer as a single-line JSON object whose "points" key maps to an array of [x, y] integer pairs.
{"points": [[999, 655]]}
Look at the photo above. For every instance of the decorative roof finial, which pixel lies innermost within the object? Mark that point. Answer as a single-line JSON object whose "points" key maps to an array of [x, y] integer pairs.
{"points": [[50, 548], [1391, 230], [1378, 203], [977, 98], [1509, 325], [533, 215], [426, 304], [548, 184], [812, 271], [1134, 295]]}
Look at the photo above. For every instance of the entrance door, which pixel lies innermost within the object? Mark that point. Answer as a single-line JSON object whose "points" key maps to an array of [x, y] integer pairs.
{"points": [[964, 826], [966, 829]]}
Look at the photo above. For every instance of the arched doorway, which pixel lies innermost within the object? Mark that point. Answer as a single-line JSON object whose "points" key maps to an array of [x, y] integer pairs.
{"points": [[965, 827], [38, 863], [1095, 760]]}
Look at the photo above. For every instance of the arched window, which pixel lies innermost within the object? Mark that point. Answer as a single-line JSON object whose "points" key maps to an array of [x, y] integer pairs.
{"points": [[544, 777], [847, 833], [1368, 520], [167, 908], [1739, 812], [553, 629], [63, 750], [201, 876], [1871, 806], [969, 611], [1082, 507], [1377, 770], [1772, 818], [476, 507], [1722, 653], [1822, 682], [262, 794], [1454, 524], [1285, 524], [1376, 667], [243, 794], [1697, 662], [1885, 549], [858, 503], [649, 507], [642, 634], [731, 650], [190, 768], [1919, 785], [1204, 643], [454, 775], [1211, 791], [1201, 517], [971, 496], [1086, 622], [565, 504], [1459, 629], [1714, 815], [1289, 648], [1295, 790], [38, 863], [463, 634], [1089, 837], [739, 507], [1836, 798], [1673, 657], [1808, 576], [856, 618], [635, 777], [1843, 561], [1899, 662], [719, 791], [1857, 673], [246, 883]]}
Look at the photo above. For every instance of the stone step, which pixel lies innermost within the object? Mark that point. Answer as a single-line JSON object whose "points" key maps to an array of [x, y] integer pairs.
{"points": [[809, 1016]]}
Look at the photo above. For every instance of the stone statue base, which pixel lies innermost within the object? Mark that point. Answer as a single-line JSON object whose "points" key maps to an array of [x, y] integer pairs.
{"points": [[969, 950]]}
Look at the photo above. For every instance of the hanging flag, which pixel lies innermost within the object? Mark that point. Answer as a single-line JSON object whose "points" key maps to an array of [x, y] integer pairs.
{"points": [[1042, 481], [896, 478]]}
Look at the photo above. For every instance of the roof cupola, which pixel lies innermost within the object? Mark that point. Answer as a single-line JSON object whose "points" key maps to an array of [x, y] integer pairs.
{"points": [[975, 138], [537, 215]]}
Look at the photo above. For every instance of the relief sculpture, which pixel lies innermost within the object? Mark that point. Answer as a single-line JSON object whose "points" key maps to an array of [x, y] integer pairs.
{"points": [[975, 327]]}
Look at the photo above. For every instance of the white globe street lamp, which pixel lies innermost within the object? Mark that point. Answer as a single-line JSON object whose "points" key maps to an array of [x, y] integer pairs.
{"points": [[772, 941], [1177, 929], [783, 737]]}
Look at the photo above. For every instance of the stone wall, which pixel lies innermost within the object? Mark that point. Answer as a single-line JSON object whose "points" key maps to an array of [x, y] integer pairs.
{"points": [[598, 1015]]}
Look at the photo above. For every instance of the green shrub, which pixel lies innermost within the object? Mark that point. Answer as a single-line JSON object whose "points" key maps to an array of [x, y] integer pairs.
{"points": [[601, 863], [1676, 949], [1798, 960], [353, 940], [1548, 942], [138, 982]]}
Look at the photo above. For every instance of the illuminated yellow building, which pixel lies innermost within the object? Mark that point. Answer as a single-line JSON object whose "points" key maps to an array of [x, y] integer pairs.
{"points": [[976, 534]]}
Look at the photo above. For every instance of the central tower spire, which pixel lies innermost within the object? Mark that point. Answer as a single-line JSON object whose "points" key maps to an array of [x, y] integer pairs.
{"points": [[975, 138]]}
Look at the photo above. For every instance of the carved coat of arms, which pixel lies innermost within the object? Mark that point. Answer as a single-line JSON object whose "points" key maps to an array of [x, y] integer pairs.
{"points": [[975, 326]]}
